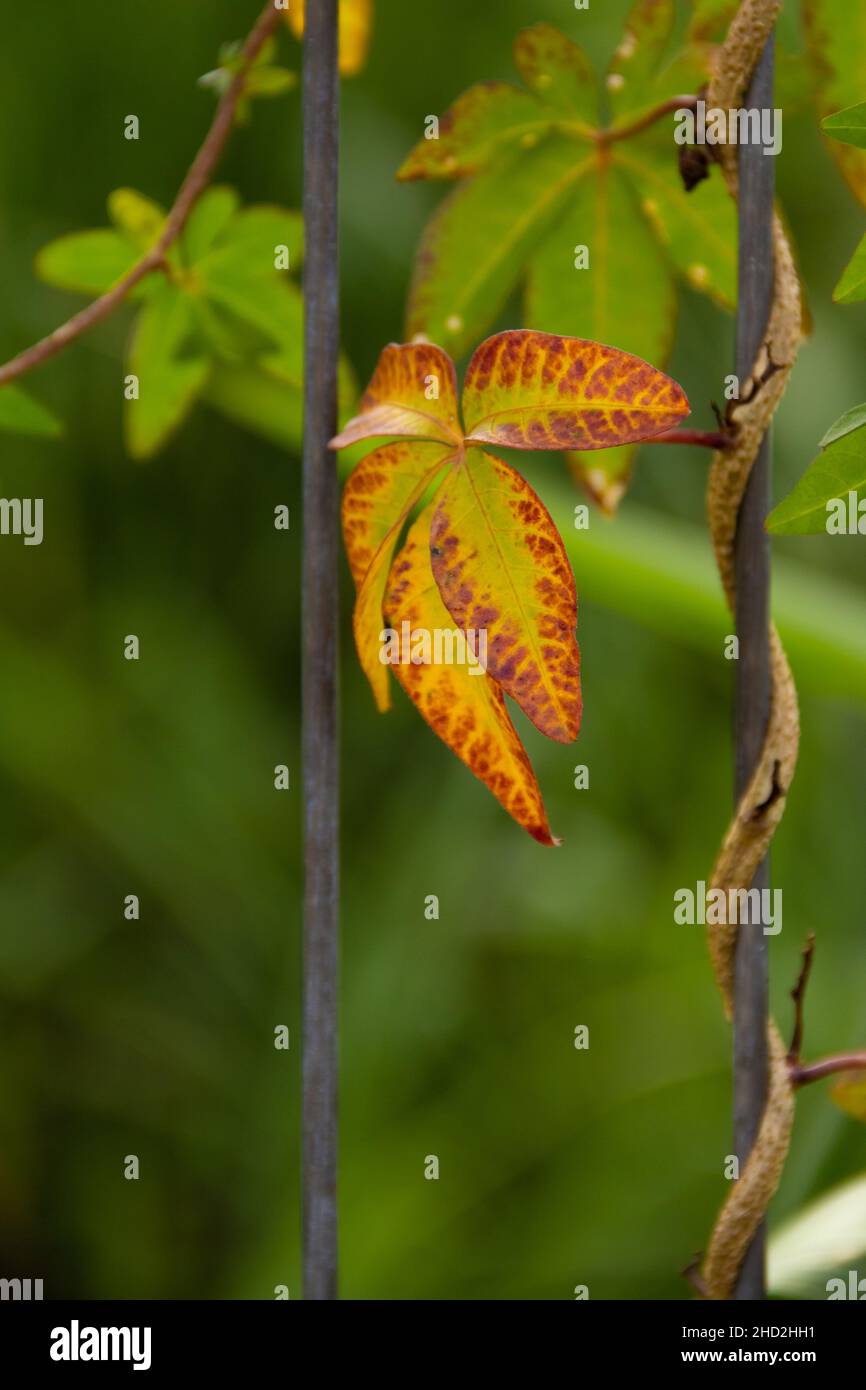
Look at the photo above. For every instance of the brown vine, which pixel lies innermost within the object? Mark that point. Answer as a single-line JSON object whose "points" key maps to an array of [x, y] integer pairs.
{"points": [[763, 803]]}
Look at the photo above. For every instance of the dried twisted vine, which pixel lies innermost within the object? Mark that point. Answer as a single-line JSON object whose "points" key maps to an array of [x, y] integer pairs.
{"points": [[762, 805]]}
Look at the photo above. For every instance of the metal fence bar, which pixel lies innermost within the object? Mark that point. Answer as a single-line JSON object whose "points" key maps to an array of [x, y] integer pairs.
{"points": [[320, 632]]}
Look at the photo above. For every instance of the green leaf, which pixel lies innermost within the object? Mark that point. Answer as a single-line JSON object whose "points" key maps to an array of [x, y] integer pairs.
{"points": [[475, 247], [482, 123], [250, 240], [140, 218], [827, 1236], [485, 237], [602, 301], [558, 72], [267, 51], [222, 335], [269, 305], [710, 19], [21, 414], [168, 382], [698, 229], [852, 420], [86, 262], [849, 1093], [837, 473], [231, 54], [836, 38], [217, 80], [852, 286], [209, 218], [270, 82], [631, 78], [849, 125]]}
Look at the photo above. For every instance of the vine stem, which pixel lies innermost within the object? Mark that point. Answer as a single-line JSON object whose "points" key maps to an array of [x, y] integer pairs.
{"points": [[197, 179], [803, 1074], [319, 676], [704, 439], [658, 113], [754, 679]]}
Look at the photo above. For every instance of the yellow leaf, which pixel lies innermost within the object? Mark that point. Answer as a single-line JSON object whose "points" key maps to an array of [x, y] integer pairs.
{"points": [[356, 23], [530, 390], [849, 1093], [501, 568], [377, 500], [413, 392], [466, 711]]}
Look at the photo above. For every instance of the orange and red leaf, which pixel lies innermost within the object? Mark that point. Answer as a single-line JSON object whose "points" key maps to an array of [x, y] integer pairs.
{"points": [[377, 499], [412, 393], [466, 711], [501, 568], [526, 390]]}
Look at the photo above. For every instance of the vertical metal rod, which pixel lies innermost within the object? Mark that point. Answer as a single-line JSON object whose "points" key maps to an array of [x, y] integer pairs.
{"points": [[320, 629], [757, 186]]}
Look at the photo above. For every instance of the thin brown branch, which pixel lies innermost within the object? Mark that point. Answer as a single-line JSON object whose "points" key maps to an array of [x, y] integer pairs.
{"points": [[197, 179], [625, 132], [705, 439], [797, 994], [828, 1066]]}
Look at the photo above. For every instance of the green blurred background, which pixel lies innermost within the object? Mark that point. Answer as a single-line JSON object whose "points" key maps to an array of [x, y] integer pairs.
{"points": [[155, 1037]]}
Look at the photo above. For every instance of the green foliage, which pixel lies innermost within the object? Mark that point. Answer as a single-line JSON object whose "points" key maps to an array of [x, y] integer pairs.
{"points": [[837, 472], [849, 125], [168, 382], [546, 181], [836, 38], [852, 286], [220, 307], [21, 414], [265, 79], [852, 420], [87, 262]]}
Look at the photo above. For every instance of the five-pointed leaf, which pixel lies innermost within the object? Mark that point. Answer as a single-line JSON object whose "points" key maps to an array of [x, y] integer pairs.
{"points": [[492, 555]]}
